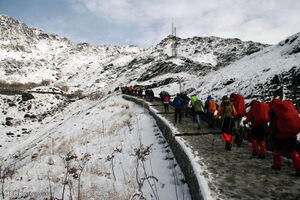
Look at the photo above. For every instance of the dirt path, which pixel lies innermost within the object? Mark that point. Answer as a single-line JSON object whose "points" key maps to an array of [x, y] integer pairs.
{"points": [[232, 174]]}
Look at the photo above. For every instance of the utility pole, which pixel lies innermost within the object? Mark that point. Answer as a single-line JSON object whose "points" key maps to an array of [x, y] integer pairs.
{"points": [[180, 84], [174, 42]]}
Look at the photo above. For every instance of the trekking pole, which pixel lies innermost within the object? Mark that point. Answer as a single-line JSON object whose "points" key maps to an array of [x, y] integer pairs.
{"points": [[223, 119]]}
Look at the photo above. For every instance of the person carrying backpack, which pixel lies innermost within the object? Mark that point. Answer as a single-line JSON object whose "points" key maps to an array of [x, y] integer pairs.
{"points": [[151, 95], [193, 99], [178, 104], [186, 103], [210, 108], [259, 117], [166, 102], [239, 105], [130, 90], [162, 95], [199, 110], [284, 126], [227, 112]]}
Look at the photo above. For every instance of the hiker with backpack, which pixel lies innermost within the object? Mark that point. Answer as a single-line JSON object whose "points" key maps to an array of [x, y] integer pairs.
{"points": [[258, 115], [162, 95], [130, 90], [240, 107], [193, 99], [166, 102], [284, 127], [210, 108], [151, 95], [186, 103], [199, 110], [140, 92], [178, 104], [227, 112]]}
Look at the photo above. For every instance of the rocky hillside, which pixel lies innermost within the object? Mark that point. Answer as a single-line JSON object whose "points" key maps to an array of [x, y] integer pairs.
{"points": [[30, 55], [195, 56], [270, 73]]}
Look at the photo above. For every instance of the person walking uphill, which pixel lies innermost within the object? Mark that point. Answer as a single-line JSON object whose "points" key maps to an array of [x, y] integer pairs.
{"points": [[284, 125], [151, 95], [240, 107], [210, 108], [193, 99], [259, 117], [178, 104], [186, 104], [199, 110], [227, 112], [166, 102]]}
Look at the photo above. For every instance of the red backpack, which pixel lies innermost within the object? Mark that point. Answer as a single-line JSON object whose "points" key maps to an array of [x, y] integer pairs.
{"points": [[212, 106], [288, 118], [261, 113], [166, 99], [239, 105]]}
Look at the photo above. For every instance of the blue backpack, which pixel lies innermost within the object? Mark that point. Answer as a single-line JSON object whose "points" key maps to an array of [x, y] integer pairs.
{"points": [[177, 102]]}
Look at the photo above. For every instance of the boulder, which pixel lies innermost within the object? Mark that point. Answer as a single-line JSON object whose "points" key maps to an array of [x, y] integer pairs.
{"points": [[8, 118], [8, 123], [27, 96], [10, 134]]}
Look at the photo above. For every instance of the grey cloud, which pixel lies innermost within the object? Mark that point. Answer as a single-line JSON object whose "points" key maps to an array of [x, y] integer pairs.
{"points": [[260, 20]]}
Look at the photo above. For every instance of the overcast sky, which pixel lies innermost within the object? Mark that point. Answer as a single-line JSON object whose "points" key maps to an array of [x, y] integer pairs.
{"points": [[147, 22]]}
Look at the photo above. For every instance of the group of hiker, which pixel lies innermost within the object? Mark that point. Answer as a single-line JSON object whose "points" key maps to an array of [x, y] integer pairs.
{"points": [[137, 92], [277, 118]]}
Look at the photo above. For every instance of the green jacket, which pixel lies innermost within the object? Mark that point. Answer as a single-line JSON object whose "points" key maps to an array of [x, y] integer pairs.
{"points": [[193, 99]]}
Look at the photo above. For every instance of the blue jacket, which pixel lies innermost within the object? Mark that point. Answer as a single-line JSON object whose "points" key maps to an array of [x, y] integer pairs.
{"points": [[178, 102]]}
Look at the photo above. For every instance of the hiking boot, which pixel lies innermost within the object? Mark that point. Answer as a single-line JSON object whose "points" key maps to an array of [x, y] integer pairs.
{"points": [[199, 127], [228, 146], [276, 168], [297, 173], [261, 156]]}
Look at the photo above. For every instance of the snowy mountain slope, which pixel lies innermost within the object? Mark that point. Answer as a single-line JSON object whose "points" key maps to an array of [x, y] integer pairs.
{"points": [[253, 76], [269, 73], [102, 129], [196, 56], [30, 55], [47, 56]]}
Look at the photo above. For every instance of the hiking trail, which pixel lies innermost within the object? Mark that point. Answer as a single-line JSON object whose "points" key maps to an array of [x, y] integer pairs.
{"points": [[232, 174]]}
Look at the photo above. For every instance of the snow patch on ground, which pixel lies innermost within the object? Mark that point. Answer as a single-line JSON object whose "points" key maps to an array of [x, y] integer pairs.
{"points": [[110, 127]]}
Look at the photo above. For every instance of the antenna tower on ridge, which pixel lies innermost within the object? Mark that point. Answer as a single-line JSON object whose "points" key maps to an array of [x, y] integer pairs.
{"points": [[174, 42]]}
